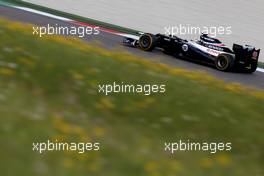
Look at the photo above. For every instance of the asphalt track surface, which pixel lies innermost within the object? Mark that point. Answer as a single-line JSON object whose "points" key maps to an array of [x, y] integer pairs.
{"points": [[245, 18], [112, 41]]}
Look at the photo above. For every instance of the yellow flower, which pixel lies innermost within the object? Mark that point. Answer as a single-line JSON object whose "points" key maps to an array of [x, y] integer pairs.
{"points": [[68, 163], [223, 159], [146, 102], [28, 62], [237, 88], [93, 83], [58, 138], [99, 132], [61, 125], [7, 71], [105, 103], [175, 166], [206, 162], [77, 130], [93, 166], [93, 71], [151, 167], [76, 75]]}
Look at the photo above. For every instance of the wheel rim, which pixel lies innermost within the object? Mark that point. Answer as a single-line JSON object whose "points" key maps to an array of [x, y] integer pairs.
{"points": [[145, 42], [222, 62]]}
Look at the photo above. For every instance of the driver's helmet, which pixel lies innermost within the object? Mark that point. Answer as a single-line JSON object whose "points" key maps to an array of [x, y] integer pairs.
{"points": [[204, 38], [208, 39]]}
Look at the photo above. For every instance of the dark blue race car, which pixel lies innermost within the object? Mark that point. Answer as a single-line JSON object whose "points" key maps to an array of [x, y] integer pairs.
{"points": [[207, 50]]}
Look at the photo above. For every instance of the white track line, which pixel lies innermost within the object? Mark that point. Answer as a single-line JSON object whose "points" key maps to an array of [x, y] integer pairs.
{"points": [[43, 13], [260, 70], [130, 36]]}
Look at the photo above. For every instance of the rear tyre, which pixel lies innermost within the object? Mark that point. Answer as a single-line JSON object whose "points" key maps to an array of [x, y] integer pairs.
{"points": [[225, 62], [147, 42]]}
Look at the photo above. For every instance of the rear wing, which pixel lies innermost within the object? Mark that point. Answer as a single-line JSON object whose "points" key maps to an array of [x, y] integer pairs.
{"points": [[246, 53]]}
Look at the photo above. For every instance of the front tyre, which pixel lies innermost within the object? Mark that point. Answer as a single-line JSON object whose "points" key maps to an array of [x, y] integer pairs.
{"points": [[147, 42], [224, 62]]}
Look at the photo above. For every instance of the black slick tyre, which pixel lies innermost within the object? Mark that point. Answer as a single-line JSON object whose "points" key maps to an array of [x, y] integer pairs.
{"points": [[224, 62], [147, 42]]}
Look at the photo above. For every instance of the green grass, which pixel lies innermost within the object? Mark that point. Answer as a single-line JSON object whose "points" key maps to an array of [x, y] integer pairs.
{"points": [[48, 90], [261, 64]]}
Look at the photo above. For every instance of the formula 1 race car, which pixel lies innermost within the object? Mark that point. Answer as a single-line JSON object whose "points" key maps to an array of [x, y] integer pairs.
{"points": [[207, 49]]}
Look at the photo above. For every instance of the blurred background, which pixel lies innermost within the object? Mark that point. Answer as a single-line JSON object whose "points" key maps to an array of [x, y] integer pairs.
{"points": [[49, 91]]}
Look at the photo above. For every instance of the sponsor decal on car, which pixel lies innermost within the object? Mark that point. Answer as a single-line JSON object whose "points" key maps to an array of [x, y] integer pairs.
{"points": [[205, 49], [255, 55], [185, 47], [215, 47], [213, 52]]}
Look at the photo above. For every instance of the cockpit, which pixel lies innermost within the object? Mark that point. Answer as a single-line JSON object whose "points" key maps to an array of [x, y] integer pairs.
{"points": [[212, 43]]}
